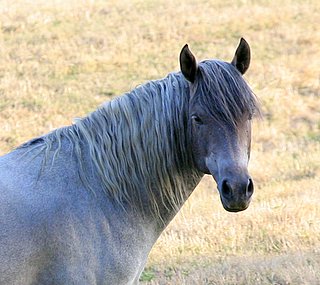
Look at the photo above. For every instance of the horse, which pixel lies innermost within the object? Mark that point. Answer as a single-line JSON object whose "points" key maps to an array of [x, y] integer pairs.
{"points": [[85, 203]]}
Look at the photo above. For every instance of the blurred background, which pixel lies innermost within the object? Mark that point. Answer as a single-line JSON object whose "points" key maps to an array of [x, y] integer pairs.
{"points": [[61, 59]]}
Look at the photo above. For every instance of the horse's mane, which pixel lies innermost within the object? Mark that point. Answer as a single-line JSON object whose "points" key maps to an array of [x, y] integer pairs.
{"points": [[137, 143]]}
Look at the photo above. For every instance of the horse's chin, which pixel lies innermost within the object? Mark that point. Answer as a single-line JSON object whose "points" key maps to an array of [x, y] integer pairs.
{"points": [[235, 208]]}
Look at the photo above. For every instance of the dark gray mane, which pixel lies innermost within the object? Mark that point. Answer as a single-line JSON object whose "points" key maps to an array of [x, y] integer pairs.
{"points": [[223, 92]]}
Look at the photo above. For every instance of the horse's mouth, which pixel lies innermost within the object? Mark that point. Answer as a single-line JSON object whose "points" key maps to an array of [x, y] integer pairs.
{"points": [[235, 209], [235, 206]]}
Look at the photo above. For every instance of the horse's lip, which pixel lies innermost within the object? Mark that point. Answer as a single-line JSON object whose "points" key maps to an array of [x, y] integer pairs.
{"points": [[235, 209]]}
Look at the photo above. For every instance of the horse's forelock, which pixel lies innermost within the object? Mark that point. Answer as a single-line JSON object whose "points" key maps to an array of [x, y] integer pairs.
{"points": [[223, 92]]}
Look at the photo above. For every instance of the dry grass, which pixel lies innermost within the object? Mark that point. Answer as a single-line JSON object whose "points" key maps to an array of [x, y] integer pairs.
{"points": [[61, 59]]}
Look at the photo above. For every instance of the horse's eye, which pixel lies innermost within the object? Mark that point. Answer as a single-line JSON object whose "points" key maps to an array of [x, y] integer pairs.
{"points": [[196, 119]]}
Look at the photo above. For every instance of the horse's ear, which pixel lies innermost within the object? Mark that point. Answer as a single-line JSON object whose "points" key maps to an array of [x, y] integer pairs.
{"points": [[188, 64], [241, 59]]}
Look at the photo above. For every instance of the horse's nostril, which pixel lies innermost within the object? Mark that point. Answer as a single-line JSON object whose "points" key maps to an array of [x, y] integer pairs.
{"points": [[250, 188], [226, 189]]}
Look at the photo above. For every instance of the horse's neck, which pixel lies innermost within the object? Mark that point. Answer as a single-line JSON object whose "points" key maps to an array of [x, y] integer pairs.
{"points": [[138, 145], [172, 165], [166, 215], [181, 175]]}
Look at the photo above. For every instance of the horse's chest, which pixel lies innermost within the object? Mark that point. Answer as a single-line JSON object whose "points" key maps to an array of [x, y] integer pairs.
{"points": [[126, 252], [113, 250]]}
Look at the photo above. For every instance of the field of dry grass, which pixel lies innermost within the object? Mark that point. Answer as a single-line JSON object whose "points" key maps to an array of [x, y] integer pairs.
{"points": [[60, 59]]}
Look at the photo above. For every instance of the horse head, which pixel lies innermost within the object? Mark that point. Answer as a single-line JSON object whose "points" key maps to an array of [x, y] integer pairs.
{"points": [[220, 110]]}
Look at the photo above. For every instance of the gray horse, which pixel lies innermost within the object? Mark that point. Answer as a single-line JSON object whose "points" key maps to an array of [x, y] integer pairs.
{"points": [[84, 204]]}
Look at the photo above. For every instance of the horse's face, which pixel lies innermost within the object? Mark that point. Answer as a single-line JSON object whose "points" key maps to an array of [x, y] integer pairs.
{"points": [[223, 150], [221, 142]]}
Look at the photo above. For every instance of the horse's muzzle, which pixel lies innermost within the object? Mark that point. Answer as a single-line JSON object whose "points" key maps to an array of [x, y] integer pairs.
{"points": [[236, 194]]}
